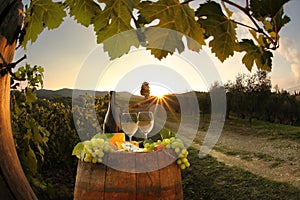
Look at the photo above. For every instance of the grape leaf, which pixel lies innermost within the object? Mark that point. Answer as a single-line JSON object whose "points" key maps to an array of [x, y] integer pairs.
{"points": [[274, 25], [30, 160], [113, 22], [254, 53], [42, 14], [83, 10], [78, 149], [163, 41], [220, 27], [174, 16], [228, 11], [266, 8], [279, 20], [260, 39], [119, 44]]}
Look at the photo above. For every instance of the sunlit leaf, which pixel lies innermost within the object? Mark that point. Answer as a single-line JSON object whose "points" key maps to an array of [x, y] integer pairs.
{"points": [[83, 10], [260, 39], [78, 149], [165, 133], [255, 54], [113, 20], [228, 11], [119, 44], [216, 24], [164, 41], [174, 16], [42, 14]]}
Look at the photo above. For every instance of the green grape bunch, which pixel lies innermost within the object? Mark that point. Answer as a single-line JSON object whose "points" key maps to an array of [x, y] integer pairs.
{"points": [[93, 150], [174, 143]]}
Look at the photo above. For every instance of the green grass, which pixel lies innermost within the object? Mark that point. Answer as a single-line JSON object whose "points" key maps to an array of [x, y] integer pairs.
{"points": [[262, 128], [210, 179], [257, 128], [246, 155]]}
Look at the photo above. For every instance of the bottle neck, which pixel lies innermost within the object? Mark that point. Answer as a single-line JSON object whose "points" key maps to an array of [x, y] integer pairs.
{"points": [[112, 96], [111, 119]]}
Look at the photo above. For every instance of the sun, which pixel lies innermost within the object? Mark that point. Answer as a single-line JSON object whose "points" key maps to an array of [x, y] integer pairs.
{"points": [[158, 91]]}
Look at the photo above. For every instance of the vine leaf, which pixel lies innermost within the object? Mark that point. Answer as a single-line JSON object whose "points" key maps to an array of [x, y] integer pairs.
{"points": [[276, 23], [113, 22], [41, 14], [220, 27], [83, 10], [174, 16], [30, 160], [257, 54], [163, 42], [260, 39], [266, 8], [78, 149], [120, 44]]}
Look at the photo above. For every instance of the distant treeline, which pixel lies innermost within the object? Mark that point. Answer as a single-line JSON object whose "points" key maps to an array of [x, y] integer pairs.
{"points": [[251, 97]]}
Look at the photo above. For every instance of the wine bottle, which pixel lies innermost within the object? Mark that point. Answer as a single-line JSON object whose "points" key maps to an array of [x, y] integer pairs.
{"points": [[111, 120]]}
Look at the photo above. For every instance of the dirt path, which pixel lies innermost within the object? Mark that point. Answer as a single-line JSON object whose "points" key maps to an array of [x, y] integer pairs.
{"points": [[275, 159]]}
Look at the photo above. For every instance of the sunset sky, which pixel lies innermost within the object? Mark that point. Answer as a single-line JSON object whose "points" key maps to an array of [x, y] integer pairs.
{"points": [[66, 51]]}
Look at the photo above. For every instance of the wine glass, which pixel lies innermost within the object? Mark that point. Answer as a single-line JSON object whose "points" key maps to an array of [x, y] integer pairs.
{"points": [[145, 122], [129, 124]]}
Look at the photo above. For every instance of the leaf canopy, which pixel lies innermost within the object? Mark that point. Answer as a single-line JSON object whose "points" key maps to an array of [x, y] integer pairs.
{"points": [[42, 14], [266, 8], [83, 10], [255, 54], [164, 25], [174, 16], [111, 22], [216, 24]]}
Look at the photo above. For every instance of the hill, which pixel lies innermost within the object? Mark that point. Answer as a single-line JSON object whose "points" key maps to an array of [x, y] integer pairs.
{"points": [[65, 92]]}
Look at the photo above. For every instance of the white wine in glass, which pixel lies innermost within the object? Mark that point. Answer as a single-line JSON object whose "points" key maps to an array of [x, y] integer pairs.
{"points": [[129, 124], [145, 122]]}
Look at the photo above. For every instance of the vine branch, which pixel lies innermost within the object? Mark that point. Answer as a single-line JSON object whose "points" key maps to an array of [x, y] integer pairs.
{"points": [[245, 25], [7, 67], [186, 2], [246, 11]]}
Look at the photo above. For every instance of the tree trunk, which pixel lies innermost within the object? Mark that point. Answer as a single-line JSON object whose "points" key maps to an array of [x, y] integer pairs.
{"points": [[13, 182]]}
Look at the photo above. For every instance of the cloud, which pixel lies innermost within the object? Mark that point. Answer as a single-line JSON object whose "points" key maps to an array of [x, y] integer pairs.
{"points": [[289, 51], [295, 68], [292, 55]]}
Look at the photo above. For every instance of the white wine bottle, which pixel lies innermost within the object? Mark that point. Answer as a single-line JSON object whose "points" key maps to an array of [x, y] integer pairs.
{"points": [[111, 120]]}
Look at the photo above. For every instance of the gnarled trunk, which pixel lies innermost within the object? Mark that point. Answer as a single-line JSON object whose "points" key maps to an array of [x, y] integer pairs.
{"points": [[13, 182]]}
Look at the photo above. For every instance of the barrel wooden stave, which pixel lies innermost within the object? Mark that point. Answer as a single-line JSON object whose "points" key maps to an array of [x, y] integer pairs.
{"points": [[148, 183], [90, 181], [98, 181]]}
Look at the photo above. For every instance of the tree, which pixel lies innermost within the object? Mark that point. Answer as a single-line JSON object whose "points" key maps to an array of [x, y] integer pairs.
{"points": [[211, 21], [12, 175], [145, 90], [257, 89], [235, 96], [249, 95]]}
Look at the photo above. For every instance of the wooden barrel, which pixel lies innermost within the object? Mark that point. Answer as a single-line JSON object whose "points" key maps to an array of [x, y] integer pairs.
{"points": [[151, 176]]}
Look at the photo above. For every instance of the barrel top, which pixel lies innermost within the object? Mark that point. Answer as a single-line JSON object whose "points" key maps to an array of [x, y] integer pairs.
{"points": [[140, 162]]}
